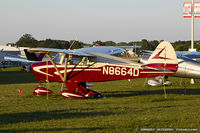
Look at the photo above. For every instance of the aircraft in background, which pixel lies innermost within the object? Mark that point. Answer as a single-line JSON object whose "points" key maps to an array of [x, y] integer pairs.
{"points": [[76, 67], [187, 67], [9, 60]]}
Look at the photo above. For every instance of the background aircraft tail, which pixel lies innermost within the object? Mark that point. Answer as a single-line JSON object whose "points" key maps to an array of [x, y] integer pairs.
{"points": [[163, 57], [34, 56]]}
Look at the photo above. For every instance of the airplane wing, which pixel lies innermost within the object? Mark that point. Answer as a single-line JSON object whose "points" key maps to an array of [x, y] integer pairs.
{"points": [[50, 50], [129, 47], [147, 51], [100, 51], [189, 54], [8, 60], [9, 57], [111, 58], [109, 50]]}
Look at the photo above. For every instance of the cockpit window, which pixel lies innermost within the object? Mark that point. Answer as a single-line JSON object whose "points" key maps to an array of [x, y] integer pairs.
{"points": [[73, 60], [79, 60]]}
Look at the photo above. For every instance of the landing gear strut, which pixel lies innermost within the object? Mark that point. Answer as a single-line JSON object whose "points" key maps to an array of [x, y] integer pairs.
{"points": [[79, 90]]}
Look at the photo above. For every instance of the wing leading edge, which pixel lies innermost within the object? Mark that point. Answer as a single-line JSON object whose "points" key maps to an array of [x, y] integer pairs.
{"points": [[49, 50]]}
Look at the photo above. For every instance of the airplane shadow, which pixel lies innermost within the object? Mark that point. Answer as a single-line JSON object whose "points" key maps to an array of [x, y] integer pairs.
{"points": [[92, 129], [32, 130], [46, 115], [151, 92], [17, 77]]}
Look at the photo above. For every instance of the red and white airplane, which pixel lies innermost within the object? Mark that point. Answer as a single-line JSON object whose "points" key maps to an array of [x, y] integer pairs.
{"points": [[76, 67]]}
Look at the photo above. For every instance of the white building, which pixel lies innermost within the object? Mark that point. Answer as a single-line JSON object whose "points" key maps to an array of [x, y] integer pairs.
{"points": [[19, 51]]}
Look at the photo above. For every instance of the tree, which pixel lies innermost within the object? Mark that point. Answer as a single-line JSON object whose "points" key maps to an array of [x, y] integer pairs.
{"points": [[154, 44], [182, 45], [149, 45], [121, 44], [109, 43], [133, 43], [27, 41], [63, 44], [48, 43], [145, 44], [180, 48]]}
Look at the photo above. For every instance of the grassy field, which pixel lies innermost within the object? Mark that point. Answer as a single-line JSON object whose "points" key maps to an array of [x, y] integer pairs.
{"points": [[128, 107], [10, 69]]}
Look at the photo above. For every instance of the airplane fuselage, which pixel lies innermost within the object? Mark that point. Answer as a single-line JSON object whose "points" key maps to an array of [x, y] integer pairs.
{"points": [[99, 71], [187, 68]]}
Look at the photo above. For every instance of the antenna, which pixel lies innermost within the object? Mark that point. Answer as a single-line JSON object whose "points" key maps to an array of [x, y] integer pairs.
{"points": [[72, 43], [192, 25]]}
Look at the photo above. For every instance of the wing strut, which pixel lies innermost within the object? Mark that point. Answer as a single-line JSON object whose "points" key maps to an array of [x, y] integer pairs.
{"points": [[62, 78], [65, 72], [47, 78]]}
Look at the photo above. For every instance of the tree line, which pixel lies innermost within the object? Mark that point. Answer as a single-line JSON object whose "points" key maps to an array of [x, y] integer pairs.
{"points": [[28, 41]]}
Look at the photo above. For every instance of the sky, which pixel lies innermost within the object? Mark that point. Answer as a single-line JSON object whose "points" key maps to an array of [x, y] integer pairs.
{"points": [[92, 20]]}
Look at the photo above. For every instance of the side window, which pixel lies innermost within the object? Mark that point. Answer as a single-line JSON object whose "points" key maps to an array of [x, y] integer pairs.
{"points": [[72, 60], [86, 61], [77, 60]]}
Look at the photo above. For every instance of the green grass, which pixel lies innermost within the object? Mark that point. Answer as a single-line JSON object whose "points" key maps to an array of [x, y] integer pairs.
{"points": [[128, 106], [10, 69]]}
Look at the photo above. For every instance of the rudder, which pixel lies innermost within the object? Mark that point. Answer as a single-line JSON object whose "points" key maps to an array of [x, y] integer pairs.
{"points": [[164, 53]]}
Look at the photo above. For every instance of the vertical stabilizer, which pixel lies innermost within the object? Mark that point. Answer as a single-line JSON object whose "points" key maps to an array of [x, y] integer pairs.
{"points": [[164, 53]]}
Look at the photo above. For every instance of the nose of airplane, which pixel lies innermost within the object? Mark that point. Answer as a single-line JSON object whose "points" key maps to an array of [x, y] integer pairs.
{"points": [[34, 70], [39, 70]]}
